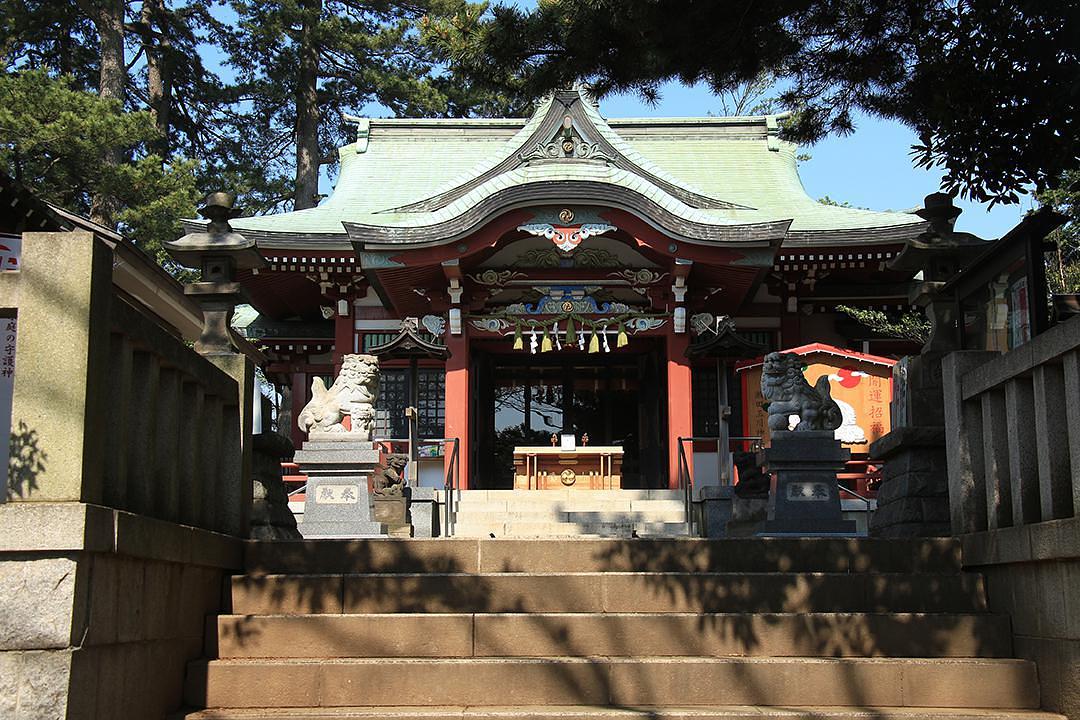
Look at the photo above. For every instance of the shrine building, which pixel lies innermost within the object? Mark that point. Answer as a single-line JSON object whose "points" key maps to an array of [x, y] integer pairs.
{"points": [[568, 274]]}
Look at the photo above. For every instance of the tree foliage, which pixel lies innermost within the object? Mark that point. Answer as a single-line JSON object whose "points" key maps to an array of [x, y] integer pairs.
{"points": [[129, 110], [1063, 265], [906, 326], [301, 64], [989, 85], [52, 138]]}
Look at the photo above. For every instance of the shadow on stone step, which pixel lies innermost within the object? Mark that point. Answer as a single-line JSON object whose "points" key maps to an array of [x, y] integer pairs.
{"points": [[469, 577]]}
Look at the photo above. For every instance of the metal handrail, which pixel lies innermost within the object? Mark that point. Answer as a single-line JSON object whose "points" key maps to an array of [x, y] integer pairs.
{"points": [[686, 482], [857, 496], [686, 477], [450, 486]]}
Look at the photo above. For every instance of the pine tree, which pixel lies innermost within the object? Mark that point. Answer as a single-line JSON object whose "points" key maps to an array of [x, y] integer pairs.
{"points": [[302, 63], [52, 137], [138, 176]]}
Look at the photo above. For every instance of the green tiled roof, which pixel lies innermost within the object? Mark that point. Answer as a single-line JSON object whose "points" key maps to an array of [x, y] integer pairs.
{"points": [[737, 161]]}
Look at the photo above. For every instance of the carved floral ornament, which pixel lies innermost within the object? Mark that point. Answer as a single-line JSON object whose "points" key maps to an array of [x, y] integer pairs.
{"points": [[556, 149], [434, 324], [702, 323], [495, 278], [551, 257], [639, 279]]}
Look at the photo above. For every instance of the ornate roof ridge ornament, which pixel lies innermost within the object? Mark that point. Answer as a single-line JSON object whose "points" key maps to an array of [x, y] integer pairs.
{"points": [[716, 336], [568, 144], [410, 343]]}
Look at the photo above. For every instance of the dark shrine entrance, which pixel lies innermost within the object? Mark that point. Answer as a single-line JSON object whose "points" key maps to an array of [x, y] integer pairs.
{"points": [[617, 399]]}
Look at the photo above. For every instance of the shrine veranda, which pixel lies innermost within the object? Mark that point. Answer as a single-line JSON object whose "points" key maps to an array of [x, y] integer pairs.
{"points": [[571, 274]]}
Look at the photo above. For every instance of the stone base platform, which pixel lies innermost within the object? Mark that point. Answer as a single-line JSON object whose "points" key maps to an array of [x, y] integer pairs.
{"points": [[337, 502]]}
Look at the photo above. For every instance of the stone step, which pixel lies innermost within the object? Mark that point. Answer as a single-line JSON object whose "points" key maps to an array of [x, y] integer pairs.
{"points": [[564, 712], [864, 555], [571, 500], [565, 494], [610, 635], [559, 514], [860, 682], [542, 529], [607, 592], [540, 508]]}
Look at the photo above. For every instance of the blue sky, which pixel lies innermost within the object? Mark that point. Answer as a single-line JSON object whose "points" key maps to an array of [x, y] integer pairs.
{"points": [[870, 168]]}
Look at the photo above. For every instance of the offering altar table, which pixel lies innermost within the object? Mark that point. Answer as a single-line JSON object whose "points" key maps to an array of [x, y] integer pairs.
{"points": [[585, 468]]}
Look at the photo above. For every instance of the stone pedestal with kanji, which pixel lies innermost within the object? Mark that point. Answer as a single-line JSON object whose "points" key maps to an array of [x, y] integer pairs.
{"points": [[804, 498], [337, 503]]}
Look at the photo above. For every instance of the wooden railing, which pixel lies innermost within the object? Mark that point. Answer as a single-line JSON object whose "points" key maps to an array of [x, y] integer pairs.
{"points": [[110, 405], [1013, 432]]}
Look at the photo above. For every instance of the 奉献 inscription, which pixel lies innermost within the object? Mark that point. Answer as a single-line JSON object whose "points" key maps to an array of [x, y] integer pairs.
{"points": [[337, 495]]}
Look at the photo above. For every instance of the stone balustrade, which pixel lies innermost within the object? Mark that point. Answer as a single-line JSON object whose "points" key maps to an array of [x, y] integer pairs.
{"points": [[1012, 432], [129, 485], [110, 406], [1013, 449]]}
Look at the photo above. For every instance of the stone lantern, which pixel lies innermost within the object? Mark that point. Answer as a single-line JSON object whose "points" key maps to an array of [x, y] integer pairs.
{"points": [[939, 254], [218, 251], [913, 498]]}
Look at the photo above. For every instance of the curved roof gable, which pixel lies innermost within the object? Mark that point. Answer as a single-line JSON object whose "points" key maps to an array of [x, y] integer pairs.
{"points": [[566, 128], [408, 177]]}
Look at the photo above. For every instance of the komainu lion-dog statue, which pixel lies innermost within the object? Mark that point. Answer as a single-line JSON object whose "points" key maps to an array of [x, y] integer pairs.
{"points": [[787, 393], [353, 394]]}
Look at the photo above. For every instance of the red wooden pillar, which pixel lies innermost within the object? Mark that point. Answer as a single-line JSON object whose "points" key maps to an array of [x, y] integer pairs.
{"points": [[344, 334], [680, 413], [457, 404], [298, 397]]}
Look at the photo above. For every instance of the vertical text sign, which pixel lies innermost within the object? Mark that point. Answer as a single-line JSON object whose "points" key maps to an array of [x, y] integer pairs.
{"points": [[10, 252]]}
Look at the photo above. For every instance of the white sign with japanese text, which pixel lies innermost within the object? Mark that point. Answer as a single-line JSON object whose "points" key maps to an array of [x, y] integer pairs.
{"points": [[337, 494]]}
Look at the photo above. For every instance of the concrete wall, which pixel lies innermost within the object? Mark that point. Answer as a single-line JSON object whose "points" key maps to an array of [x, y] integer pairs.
{"points": [[1033, 574], [100, 610]]}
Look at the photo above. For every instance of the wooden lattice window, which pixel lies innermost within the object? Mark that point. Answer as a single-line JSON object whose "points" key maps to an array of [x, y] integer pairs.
{"points": [[431, 402], [390, 420], [705, 408]]}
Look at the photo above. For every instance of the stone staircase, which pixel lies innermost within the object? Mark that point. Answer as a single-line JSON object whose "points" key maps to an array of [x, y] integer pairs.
{"points": [[570, 629], [569, 513]]}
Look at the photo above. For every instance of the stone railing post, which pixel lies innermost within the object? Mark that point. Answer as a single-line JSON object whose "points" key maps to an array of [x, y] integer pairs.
{"points": [[1060, 492], [1051, 415], [61, 295], [965, 453], [235, 496]]}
